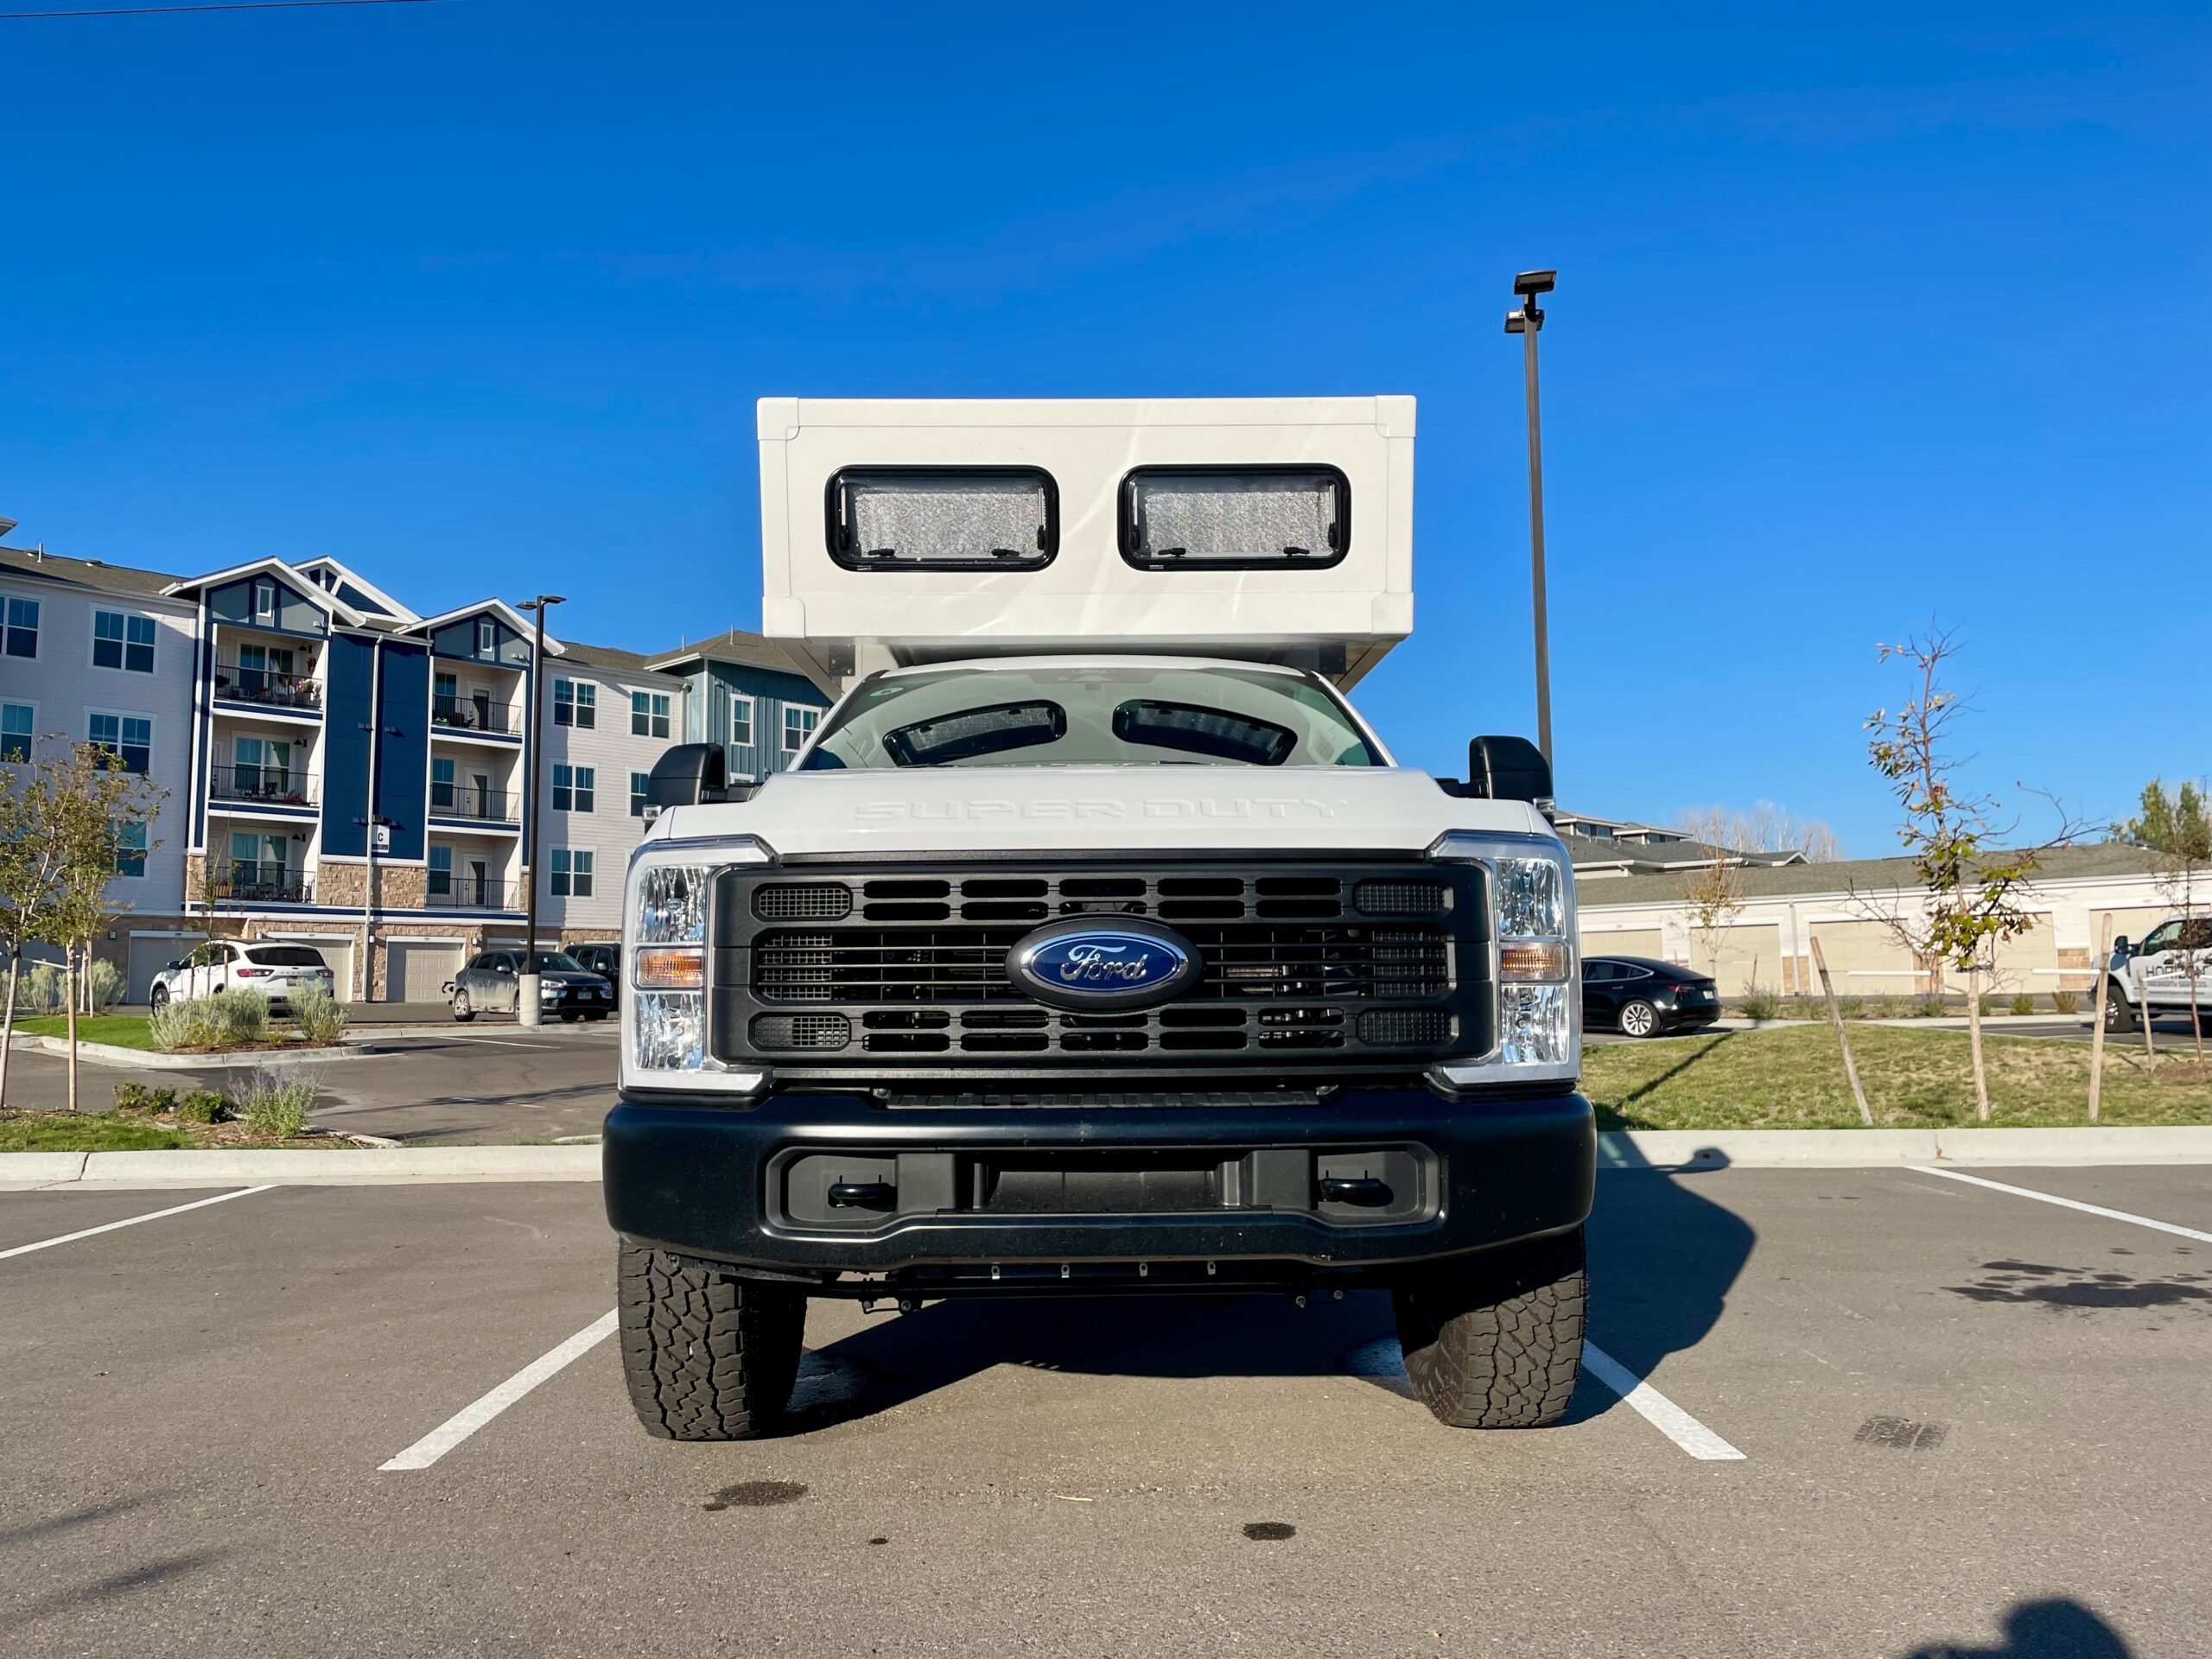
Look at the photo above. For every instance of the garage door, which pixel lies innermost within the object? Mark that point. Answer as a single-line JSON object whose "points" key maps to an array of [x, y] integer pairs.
{"points": [[1621, 942], [147, 957], [1748, 955], [2022, 963], [1867, 959], [416, 970]]}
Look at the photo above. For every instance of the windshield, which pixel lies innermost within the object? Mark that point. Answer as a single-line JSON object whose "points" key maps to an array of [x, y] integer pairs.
{"points": [[557, 962], [1090, 714]]}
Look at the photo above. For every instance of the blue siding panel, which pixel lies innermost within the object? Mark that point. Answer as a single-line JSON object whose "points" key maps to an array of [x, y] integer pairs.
{"points": [[346, 747], [404, 750]]}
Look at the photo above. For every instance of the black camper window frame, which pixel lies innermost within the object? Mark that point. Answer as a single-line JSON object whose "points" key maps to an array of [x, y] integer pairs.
{"points": [[851, 558], [1132, 538]]}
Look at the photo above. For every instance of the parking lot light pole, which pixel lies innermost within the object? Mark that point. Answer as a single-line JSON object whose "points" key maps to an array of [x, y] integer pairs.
{"points": [[1528, 322], [529, 1009]]}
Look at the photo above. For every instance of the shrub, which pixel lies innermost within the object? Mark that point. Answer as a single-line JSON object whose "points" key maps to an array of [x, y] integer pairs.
{"points": [[138, 1098], [2022, 1002], [1982, 1006], [318, 1015], [241, 1017], [1756, 1004], [1929, 1008], [182, 1024], [276, 1103], [2066, 1001], [106, 983], [1888, 1008], [205, 1106], [44, 990]]}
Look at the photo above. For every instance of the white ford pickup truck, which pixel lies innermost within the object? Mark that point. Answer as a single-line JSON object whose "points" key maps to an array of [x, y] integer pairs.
{"points": [[1095, 944]]}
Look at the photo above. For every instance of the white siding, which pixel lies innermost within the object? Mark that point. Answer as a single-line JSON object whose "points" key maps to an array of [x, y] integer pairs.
{"points": [[66, 688]]}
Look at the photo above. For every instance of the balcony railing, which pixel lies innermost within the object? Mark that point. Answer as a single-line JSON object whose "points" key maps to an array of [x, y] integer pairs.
{"points": [[479, 805], [473, 714], [263, 785], [254, 683], [470, 892], [248, 883]]}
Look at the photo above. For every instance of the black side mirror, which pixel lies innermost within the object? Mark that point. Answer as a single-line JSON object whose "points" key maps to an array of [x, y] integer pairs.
{"points": [[1508, 769], [2120, 946], [689, 774], [173, 967]]}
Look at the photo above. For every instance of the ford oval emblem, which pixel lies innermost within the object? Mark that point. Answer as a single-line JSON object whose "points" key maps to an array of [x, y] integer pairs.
{"points": [[1091, 965]]}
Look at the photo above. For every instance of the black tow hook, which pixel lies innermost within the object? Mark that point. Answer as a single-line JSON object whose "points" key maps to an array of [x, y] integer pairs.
{"points": [[1366, 1190], [862, 1195]]}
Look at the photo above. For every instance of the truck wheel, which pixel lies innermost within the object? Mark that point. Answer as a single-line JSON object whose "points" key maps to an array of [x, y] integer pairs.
{"points": [[1494, 1341], [2119, 1019], [707, 1356]]}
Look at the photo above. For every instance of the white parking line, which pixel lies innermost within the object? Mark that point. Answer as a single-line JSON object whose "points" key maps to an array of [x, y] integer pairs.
{"points": [[470, 1418], [132, 1221], [2065, 1204], [501, 1042], [1657, 1408]]}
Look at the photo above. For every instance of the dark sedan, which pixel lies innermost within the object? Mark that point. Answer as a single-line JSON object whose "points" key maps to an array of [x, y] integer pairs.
{"points": [[492, 984], [1639, 997]]}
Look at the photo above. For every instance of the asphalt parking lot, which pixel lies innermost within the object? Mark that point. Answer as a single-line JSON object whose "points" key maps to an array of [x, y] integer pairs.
{"points": [[1970, 1421]]}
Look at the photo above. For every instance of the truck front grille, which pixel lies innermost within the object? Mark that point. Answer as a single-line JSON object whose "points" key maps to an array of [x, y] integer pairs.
{"points": [[1364, 965]]}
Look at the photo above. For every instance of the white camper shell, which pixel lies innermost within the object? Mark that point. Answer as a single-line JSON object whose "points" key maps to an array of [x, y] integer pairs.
{"points": [[900, 532]]}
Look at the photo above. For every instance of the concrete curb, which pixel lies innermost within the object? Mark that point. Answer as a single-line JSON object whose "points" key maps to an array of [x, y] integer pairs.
{"points": [[152, 1060], [1884, 1148], [1618, 1151], [299, 1166]]}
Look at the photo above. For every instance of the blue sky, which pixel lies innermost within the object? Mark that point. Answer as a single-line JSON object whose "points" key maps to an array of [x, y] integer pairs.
{"points": [[1866, 317]]}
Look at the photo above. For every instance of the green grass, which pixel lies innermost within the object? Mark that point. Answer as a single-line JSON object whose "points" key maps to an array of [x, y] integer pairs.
{"points": [[86, 1132], [1792, 1079], [122, 1030]]}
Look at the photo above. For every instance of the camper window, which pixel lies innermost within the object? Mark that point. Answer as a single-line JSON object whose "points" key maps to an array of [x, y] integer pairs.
{"points": [[1235, 517], [943, 517]]}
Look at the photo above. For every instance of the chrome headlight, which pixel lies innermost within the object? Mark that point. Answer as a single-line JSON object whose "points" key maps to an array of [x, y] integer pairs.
{"points": [[1539, 991], [665, 905]]}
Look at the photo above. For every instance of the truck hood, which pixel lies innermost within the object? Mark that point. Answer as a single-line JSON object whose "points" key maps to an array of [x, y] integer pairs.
{"points": [[1098, 809]]}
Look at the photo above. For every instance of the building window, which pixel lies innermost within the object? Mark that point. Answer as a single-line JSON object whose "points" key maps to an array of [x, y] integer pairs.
{"points": [[576, 705], [263, 769], [440, 785], [122, 641], [131, 736], [130, 849], [575, 789], [798, 726], [487, 638], [639, 782], [18, 721], [741, 721], [441, 876], [648, 714], [572, 873], [23, 628], [265, 600]]}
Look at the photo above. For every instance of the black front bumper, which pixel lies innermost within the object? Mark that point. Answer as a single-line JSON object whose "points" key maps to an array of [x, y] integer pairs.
{"points": [[807, 1186]]}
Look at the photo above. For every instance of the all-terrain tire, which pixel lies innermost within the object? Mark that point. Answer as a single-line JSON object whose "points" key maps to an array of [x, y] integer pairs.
{"points": [[1494, 1341], [2119, 1016], [706, 1355]]}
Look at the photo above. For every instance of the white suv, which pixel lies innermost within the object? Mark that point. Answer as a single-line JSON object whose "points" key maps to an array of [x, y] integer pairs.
{"points": [[275, 970]]}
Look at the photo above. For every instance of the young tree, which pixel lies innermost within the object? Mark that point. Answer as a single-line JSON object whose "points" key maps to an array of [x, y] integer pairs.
{"points": [[1970, 892], [2177, 830], [89, 813], [1712, 898], [28, 866]]}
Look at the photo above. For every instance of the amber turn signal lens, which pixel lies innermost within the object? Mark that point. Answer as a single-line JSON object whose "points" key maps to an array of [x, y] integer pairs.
{"points": [[666, 968], [1526, 961]]}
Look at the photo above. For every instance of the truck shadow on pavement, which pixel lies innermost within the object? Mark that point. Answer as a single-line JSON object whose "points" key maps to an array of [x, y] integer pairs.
{"points": [[1663, 1257], [2060, 1628]]}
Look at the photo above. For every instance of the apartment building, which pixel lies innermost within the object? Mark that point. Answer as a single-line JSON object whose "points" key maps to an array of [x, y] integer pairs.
{"points": [[345, 772]]}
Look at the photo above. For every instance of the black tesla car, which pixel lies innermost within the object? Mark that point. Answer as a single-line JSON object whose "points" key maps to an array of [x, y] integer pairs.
{"points": [[1640, 996]]}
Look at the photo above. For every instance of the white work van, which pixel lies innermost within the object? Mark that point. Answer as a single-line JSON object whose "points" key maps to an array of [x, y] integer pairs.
{"points": [[1095, 943]]}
